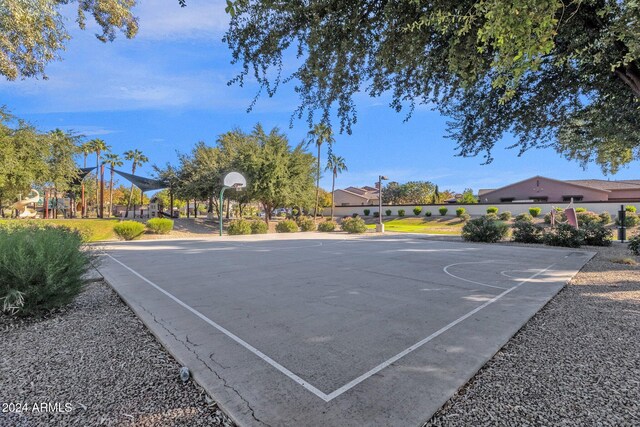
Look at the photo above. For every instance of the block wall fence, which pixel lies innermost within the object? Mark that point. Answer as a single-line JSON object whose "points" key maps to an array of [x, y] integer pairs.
{"points": [[481, 208]]}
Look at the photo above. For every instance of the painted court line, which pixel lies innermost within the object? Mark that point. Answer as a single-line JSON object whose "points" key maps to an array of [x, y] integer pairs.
{"points": [[354, 382], [446, 270]]}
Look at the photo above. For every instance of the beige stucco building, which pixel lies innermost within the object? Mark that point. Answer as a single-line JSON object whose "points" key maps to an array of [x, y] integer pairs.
{"points": [[354, 196]]}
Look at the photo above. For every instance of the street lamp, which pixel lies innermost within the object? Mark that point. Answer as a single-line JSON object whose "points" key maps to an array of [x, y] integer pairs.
{"points": [[380, 226], [231, 180]]}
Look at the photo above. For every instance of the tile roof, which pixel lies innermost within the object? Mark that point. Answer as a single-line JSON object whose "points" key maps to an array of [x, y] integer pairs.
{"points": [[602, 184]]}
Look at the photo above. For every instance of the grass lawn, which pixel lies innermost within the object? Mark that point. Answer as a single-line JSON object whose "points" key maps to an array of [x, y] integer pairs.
{"points": [[427, 225], [94, 229]]}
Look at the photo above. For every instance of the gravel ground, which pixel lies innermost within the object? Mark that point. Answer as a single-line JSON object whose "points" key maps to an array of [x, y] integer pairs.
{"points": [[577, 362], [98, 357]]}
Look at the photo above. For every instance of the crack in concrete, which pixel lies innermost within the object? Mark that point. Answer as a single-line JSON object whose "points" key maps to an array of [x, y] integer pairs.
{"points": [[186, 343]]}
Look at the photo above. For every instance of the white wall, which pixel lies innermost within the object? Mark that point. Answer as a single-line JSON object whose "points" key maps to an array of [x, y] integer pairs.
{"points": [[481, 208]]}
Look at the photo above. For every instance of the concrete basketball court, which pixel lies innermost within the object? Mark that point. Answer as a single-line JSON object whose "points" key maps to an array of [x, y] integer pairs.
{"points": [[327, 330]]}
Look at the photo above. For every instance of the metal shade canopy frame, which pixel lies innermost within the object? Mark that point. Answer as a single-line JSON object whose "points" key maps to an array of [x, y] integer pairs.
{"points": [[233, 180]]}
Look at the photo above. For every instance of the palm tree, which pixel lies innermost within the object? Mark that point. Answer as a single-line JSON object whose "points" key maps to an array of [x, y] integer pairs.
{"points": [[113, 160], [137, 159], [320, 134], [336, 165], [98, 146], [85, 149]]}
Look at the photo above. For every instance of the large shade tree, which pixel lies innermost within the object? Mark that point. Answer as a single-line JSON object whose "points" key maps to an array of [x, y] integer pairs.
{"points": [[137, 158], [552, 73]]}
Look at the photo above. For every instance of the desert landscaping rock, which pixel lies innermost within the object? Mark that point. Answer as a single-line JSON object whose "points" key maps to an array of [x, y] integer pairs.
{"points": [[99, 358]]}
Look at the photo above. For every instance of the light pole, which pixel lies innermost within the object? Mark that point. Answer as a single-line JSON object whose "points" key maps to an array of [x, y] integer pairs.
{"points": [[380, 226]]}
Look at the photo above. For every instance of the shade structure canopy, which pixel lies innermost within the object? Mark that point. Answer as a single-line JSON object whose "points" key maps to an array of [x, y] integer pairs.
{"points": [[143, 183], [82, 174]]}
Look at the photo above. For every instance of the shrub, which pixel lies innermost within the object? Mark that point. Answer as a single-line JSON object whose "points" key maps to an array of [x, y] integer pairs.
{"points": [[595, 234], [505, 216], [160, 225], [492, 210], [376, 214], [491, 216], [578, 210], [400, 212], [354, 215], [366, 212], [585, 218], [443, 211], [527, 232], [634, 245], [306, 224], [41, 268], [417, 210], [630, 208], [427, 213], [259, 227], [354, 225], [129, 230], [605, 218], [465, 217], [564, 235], [387, 212], [524, 217], [294, 212], [631, 220], [483, 229], [238, 227], [560, 217], [327, 226], [460, 211], [535, 211], [287, 226]]}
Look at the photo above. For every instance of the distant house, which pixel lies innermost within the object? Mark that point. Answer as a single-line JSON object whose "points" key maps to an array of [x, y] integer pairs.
{"points": [[356, 196], [543, 189]]}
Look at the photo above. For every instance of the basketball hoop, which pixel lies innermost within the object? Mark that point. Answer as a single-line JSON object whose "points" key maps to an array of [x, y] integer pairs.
{"points": [[233, 180]]}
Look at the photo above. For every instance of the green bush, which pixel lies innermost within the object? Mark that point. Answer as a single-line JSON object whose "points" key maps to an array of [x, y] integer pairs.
{"points": [[631, 220], [491, 216], [492, 210], [595, 234], [427, 213], [527, 232], [505, 216], [41, 268], [259, 227], [564, 235], [306, 224], [634, 245], [560, 217], [238, 227], [376, 214], [354, 215], [535, 211], [483, 229], [460, 211], [387, 212], [417, 210], [605, 218], [160, 225], [443, 211], [354, 225], [524, 217], [578, 210], [327, 226], [366, 212], [630, 208], [585, 218], [287, 226], [400, 212], [465, 217], [129, 230]]}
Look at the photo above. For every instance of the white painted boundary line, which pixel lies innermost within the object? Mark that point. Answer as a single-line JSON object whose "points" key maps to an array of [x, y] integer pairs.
{"points": [[446, 270], [354, 382], [237, 339]]}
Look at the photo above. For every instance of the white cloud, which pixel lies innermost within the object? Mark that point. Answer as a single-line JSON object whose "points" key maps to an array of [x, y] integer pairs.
{"points": [[88, 130], [166, 19]]}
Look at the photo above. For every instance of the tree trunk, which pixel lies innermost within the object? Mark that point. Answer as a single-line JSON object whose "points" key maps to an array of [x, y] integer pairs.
{"points": [[315, 212], [111, 193], [98, 214], [228, 207], [333, 189], [133, 171]]}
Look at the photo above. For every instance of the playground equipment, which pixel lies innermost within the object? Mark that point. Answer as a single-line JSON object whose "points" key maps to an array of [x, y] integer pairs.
{"points": [[21, 205]]}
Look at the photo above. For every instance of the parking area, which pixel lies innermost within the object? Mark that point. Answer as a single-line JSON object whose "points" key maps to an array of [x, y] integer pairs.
{"points": [[314, 329]]}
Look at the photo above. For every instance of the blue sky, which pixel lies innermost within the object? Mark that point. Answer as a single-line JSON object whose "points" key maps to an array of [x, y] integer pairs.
{"points": [[167, 89]]}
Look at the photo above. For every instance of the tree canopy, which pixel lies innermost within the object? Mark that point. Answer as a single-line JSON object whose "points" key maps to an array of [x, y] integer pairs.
{"points": [[552, 73]]}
